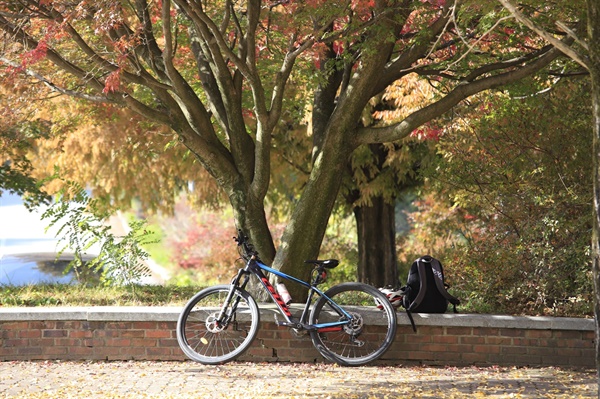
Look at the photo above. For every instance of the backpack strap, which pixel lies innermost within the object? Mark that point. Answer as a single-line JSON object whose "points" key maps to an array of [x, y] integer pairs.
{"points": [[420, 295], [422, 285], [412, 321], [438, 276]]}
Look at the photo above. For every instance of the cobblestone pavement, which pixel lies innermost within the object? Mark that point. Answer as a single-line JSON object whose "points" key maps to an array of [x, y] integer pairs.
{"points": [[276, 380]]}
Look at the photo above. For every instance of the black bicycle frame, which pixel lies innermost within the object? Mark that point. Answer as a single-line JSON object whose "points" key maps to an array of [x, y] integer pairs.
{"points": [[253, 266]]}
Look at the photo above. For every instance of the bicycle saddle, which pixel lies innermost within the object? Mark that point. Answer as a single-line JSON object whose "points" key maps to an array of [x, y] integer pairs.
{"points": [[326, 263]]}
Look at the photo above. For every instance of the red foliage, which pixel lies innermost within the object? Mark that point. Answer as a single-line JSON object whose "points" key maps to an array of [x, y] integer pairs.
{"points": [[35, 55], [428, 132], [112, 82], [203, 242]]}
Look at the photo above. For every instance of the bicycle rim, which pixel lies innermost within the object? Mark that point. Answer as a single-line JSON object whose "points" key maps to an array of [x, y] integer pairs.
{"points": [[369, 334], [203, 340]]}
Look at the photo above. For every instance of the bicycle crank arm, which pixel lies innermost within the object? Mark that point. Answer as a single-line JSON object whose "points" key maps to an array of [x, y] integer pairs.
{"points": [[294, 325]]}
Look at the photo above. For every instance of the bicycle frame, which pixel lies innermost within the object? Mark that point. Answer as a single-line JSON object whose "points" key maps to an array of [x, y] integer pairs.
{"points": [[255, 267]]}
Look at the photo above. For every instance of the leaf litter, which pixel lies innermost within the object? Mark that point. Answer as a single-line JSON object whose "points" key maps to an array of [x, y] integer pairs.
{"points": [[169, 380]]}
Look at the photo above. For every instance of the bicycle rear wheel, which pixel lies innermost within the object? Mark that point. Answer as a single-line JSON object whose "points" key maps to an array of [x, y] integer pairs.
{"points": [[203, 339], [368, 335]]}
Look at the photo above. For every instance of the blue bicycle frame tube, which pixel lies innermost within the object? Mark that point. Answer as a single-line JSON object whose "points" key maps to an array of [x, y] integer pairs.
{"points": [[283, 307]]}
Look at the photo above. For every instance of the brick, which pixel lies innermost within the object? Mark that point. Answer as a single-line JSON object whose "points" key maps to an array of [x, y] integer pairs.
{"points": [[512, 332], [538, 333], [40, 325], [133, 333], [459, 331], [143, 342], [144, 325], [68, 325], [157, 334], [569, 352], [120, 342], [54, 333], [93, 342], [15, 342], [294, 354], [93, 325], [525, 342], [29, 351], [134, 352], [511, 350], [80, 350], [418, 355], [259, 352], [80, 334], [16, 325], [583, 361], [68, 342], [156, 353], [501, 341], [542, 351], [55, 351], [10, 334], [472, 340], [419, 339], [30, 334], [562, 334], [436, 348], [486, 349], [107, 333], [168, 342], [486, 331]]}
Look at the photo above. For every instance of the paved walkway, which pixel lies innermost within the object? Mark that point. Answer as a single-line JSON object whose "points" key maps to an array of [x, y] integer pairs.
{"points": [[268, 380]]}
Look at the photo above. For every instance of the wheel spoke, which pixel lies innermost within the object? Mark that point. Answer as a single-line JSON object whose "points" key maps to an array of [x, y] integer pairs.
{"points": [[200, 334], [361, 340]]}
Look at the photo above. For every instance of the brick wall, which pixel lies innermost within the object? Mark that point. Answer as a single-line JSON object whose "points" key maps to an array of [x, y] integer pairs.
{"points": [[126, 333]]}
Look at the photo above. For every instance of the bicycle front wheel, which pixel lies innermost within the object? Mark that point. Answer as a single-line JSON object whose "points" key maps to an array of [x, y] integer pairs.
{"points": [[369, 333], [206, 339]]}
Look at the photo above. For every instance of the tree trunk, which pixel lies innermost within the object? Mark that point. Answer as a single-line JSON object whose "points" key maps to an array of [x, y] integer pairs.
{"points": [[376, 227], [303, 235], [594, 68]]}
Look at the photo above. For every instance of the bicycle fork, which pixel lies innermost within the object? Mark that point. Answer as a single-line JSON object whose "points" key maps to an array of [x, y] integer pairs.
{"points": [[225, 315]]}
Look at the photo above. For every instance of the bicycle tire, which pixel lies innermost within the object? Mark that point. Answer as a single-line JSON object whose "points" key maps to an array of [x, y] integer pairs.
{"points": [[202, 340], [345, 345]]}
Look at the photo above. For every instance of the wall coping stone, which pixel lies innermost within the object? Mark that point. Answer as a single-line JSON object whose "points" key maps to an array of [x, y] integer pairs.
{"points": [[171, 313]]}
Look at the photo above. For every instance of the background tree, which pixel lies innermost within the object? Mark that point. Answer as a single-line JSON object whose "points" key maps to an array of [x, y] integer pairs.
{"points": [[514, 175], [135, 55], [383, 172], [586, 52], [19, 130]]}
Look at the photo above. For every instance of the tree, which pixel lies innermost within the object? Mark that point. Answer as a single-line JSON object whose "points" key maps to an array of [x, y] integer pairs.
{"points": [[246, 57], [514, 177], [586, 52], [383, 172], [15, 167]]}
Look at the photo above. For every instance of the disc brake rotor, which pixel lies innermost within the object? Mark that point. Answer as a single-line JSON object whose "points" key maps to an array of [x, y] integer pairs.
{"points": [[212, 324], [355, 326]]}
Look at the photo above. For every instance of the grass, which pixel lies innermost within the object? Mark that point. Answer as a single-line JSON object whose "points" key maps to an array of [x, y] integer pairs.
{"points": [[81, 295]]}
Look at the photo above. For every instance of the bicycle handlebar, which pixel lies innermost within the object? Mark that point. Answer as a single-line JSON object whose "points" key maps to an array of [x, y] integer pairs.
{"points": [[247, 249]]}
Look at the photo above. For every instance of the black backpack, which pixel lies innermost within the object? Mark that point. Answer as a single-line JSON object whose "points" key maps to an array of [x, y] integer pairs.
{"points": [[425, 290]]}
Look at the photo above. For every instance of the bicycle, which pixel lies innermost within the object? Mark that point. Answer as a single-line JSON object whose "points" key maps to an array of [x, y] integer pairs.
{"points": [[219, 323]]}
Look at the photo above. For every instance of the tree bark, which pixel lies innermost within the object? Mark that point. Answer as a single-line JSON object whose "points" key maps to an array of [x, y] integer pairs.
{"points": [[594, 68], [376, 226]]}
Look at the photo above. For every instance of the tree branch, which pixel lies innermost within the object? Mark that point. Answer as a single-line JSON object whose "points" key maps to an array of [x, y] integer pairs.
{"points": [[561, 45], [460, 92], [55, 87]]}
